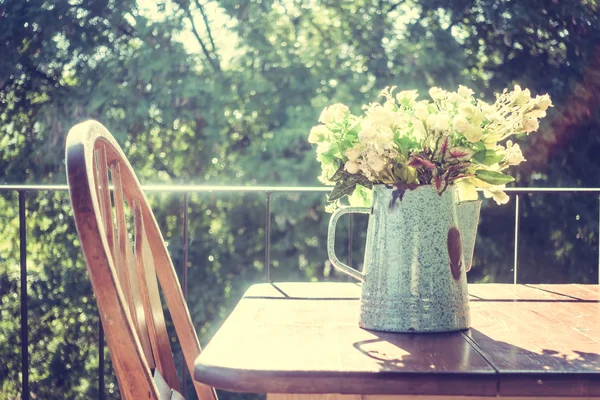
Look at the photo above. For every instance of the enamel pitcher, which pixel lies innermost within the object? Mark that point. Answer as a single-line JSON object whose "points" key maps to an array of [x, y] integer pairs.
{"points": [[418, 250]]}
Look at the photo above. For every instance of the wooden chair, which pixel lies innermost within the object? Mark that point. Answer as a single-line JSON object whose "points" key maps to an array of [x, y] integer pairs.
{"points": [[124, 277]]}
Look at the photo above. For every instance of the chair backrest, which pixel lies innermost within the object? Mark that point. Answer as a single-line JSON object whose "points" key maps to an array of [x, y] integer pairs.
{"points": [[123, 275]]}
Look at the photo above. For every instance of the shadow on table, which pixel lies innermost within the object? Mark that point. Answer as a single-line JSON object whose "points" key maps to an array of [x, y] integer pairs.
{"points": [[472, 350]]}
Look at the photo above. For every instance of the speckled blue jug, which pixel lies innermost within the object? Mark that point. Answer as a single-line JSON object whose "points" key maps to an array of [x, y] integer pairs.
{"points": [[419, 248]]}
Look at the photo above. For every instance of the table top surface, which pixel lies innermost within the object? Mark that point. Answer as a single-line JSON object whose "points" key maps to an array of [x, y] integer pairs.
{"points": [[525, 340]]}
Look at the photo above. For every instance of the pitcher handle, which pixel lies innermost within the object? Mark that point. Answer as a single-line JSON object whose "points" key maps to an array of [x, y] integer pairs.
{"points": [[331, 240]]}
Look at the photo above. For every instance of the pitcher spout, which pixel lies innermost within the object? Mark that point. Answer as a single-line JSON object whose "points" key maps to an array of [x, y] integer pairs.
{"points": [[468, 220]]}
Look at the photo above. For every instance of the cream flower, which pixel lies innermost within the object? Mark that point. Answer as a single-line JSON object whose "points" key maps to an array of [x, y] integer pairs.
{"points": [[543, 102], [497, 193], [334, 113], [352, 167], [473, 134], [513, 155], [375, 162], [464, 91], [352, 153], [536, 114], [530, 125], [367, 132], [384, 137], [460, 124], [419, 131], [436, 93], [409, 95], [379, 116], [438, 122], [421, 111], [486, 108], [318, 134], [521, 96], [466, 190], [467, 109]]}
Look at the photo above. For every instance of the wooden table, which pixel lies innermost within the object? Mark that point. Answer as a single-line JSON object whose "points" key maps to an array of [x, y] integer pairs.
{"points": [[303, 338]]}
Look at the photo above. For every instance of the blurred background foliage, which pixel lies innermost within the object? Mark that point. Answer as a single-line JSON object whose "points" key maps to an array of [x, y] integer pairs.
{"points": [[224, 92]]}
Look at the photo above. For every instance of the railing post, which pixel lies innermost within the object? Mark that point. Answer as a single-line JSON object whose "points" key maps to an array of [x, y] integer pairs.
{"points": [[184, 280], [268, 238], [350, 241], [101, 393], [24, 324], [516, 258]]}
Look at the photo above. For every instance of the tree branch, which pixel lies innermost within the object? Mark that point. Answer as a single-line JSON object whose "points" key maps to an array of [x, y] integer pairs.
{"points": [[213, 63], [394, 6], [205, 18]]}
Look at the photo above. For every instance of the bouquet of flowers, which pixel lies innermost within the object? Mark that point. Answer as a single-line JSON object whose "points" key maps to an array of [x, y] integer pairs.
{"points": [[451, 139]]}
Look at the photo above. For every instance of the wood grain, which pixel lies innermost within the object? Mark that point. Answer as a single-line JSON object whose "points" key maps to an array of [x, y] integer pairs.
{"points": [[303, 338], [547, 344], [315, 346]]}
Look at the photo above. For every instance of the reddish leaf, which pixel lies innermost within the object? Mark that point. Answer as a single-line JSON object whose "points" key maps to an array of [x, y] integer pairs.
{"points": [[438, 182], [444, 147], [457, 152], [416, 161]]}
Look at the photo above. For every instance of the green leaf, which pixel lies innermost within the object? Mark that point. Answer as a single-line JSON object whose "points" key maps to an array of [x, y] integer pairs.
{"points": [[492, 157], [353, 133], [404, 144], [493, 178], [479, 152]]}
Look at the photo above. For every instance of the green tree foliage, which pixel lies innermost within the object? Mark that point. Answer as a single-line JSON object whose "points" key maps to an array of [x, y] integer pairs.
{"points": [[236, 108]]}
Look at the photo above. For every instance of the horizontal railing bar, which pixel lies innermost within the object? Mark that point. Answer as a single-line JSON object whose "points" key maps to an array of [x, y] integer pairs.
{"points": [[261, 189], [184, 188]]}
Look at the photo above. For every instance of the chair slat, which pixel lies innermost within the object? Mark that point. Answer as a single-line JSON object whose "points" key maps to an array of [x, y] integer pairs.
{"points": [[159, 337], [125, 254], [103, 192]]}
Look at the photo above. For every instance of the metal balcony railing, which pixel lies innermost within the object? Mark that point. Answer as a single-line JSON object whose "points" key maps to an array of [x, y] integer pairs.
{"points": [[185, 191]]}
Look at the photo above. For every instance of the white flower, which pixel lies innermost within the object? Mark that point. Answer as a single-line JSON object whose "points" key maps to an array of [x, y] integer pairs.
{"points": [[536, 114], [460, 124], [530, 125], [318, 134], [352, 153], [486, 108], [352, 167], [438, 122], [513, 155], [384, 137], [379, 116], [436, 93], [521, 96], [455, 98], [466, 190], [543, 102], [375, 162], [334, 113], [421, 111], [367, 132], [464, 91], [473, 134], [467, 109], [419, 131], [497, 193], [410, 95]]}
